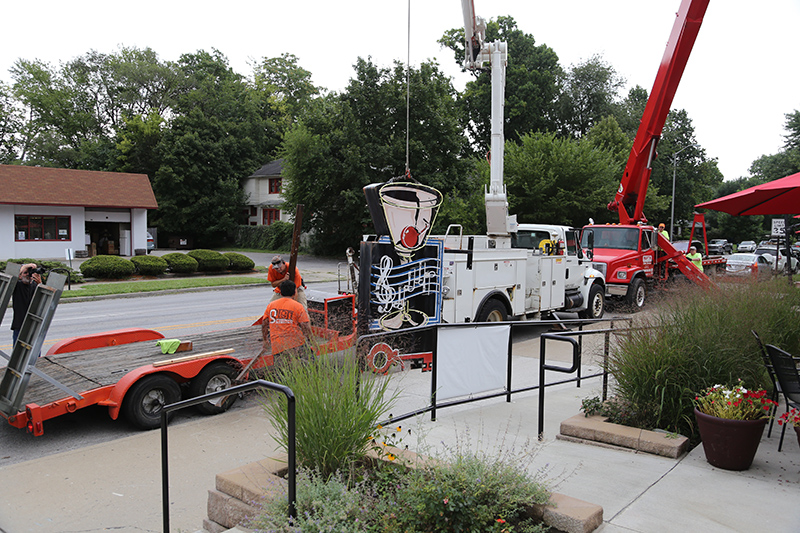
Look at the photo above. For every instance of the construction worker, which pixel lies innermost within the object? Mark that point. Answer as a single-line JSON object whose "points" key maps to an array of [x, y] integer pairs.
{"points": [[285, 326], [278, 272], [662, 231], [695, 258]]}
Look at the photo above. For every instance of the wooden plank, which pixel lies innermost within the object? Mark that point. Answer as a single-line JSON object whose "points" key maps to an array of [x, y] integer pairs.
{"points": [[192, 357]]}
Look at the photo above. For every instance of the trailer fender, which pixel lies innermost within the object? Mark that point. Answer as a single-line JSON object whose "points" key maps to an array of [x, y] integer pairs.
{"points": [[180, 372], [107, 338]]}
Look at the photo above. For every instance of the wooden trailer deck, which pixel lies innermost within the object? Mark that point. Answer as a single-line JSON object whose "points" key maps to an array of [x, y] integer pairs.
{"points": [[86, 370]]}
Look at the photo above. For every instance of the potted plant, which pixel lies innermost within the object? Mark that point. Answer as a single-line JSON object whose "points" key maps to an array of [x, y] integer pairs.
{"points": [[731, 421], [791, 417]]}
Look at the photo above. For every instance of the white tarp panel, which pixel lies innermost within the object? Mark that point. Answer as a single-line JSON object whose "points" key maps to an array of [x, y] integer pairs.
{"points": [[471, 360]]}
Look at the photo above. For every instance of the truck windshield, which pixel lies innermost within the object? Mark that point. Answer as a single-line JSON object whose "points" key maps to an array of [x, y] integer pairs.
{"points": [[618, 238]]}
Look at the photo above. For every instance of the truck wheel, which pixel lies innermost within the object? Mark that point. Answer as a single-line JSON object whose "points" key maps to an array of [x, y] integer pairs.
{"points": [[492, 311], [636, 294], [148, 396], [596, 305], [214, 378]]}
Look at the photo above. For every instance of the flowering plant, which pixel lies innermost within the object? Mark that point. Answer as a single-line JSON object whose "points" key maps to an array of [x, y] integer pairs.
{"points": [[790, 417], [734, 403]]}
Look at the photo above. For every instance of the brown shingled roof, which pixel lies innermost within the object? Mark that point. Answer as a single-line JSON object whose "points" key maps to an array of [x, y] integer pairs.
{"points": [[87, 188]]}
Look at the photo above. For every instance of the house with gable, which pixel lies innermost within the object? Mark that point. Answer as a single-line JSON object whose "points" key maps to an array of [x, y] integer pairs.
{"points": [[263, 191], [44, 211]]}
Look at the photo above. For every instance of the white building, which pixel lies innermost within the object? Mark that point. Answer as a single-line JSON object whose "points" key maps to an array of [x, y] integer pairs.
{"points": [[263, 190], [44, 211]]}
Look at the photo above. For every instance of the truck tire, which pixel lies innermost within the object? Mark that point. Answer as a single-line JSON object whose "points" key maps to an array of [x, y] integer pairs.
{"points": [[148, 396], [214, 377], [596, 305], [637, 293], [492, 311]]}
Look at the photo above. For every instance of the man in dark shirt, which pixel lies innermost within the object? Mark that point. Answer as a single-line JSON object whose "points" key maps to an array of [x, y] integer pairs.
{"points": [[23, 294]]}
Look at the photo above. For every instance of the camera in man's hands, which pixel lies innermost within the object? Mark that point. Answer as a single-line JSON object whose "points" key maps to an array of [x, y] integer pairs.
{"points": [[38, 270]]}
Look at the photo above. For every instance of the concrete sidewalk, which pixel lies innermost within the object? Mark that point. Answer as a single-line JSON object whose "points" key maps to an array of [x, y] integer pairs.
{"points": [[117, 485]]}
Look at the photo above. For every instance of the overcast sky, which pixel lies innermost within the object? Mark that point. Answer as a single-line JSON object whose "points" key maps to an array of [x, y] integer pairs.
{"points": [[742, 77]]}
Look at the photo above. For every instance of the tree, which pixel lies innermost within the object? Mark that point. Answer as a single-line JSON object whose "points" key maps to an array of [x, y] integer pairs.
{"points": [[560, 181], [217, 136], [10, 125], [530, 90], [358, 137], [287, 85], [588, 93]]}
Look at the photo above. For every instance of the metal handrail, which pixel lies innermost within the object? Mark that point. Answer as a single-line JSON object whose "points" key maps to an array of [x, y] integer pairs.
{"points": [[258, 384]]}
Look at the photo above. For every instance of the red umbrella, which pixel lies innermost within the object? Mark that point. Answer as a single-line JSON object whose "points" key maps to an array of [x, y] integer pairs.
{"points": [[778, 197]]}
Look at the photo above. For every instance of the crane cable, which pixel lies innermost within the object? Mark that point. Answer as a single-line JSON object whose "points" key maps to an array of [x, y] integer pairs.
{"points": [[408, 90]]}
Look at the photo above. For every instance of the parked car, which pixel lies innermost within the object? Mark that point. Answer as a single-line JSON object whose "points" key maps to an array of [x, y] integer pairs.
{"points": [[746, 246], [151, 243], [719, 247], [749, 265], [774, 252]]}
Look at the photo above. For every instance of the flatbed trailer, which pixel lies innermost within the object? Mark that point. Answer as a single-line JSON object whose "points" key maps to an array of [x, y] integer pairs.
{"points": [[127, 372]]}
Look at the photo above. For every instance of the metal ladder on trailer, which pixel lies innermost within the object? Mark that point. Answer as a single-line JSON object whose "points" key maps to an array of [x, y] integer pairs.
{"points": [[21, 363]]}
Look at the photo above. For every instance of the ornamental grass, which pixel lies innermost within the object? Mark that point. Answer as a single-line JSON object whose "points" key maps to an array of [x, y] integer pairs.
{"points": [[695, 340]]}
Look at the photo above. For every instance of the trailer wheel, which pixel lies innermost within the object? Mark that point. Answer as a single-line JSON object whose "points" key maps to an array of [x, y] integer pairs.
{"points": [[636, 294], [596, 305], [146, 399], [492, 311], [214, 378]]}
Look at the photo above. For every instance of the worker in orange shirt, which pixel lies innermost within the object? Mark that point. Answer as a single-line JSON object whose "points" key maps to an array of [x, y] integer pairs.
{"points": [[286, 325], [278, 272]]}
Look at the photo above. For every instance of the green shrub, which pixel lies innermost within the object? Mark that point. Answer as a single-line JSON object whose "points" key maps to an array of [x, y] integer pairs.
{"points": [[149, 265], [277, 236], [698, 340], [179, 263], [462, 491], [239, 262], [209, 260], [338, 409], [74, 275], [107, 267]]}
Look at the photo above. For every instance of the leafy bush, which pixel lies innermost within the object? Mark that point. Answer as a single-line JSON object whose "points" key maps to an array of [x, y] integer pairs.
{"points": [[337, 411], [466, 491], [61, 268], [179, 263], [149, 265], [107, 267], [238, 261], [277, 236], [698, 340], [209, 260]]}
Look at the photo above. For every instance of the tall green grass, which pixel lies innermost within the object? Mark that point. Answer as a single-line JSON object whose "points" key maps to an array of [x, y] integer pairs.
{"points": [[337, 411], [699, 339]]}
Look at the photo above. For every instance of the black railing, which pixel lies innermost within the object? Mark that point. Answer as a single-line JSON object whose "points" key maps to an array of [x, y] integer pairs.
{"points": [[259, 384], [564, 336]]}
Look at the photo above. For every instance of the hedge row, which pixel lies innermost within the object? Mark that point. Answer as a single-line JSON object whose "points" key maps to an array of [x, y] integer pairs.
{"points": [[115, 267], [276, 236], [58, 266]]}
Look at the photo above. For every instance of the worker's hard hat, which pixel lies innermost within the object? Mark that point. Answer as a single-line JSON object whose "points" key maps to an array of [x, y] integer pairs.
{"points": [[661, 225]]}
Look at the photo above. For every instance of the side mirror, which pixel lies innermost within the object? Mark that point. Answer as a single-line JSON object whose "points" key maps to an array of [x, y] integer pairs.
{"points": [[589, 234]]}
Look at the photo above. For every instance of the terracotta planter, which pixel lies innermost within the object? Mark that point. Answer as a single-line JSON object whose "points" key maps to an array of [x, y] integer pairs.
{"points": [[729, 444]]}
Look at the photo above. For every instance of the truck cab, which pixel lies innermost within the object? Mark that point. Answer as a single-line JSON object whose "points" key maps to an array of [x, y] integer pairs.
{"points": [[626, 255]]}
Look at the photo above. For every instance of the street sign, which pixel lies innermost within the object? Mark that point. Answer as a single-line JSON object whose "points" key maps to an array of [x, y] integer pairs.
{"points": [[778, 227]]}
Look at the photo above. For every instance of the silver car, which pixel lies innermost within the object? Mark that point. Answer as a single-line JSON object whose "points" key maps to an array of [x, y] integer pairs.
{"points": [[749, 265], [774, 252], [746, 246]]}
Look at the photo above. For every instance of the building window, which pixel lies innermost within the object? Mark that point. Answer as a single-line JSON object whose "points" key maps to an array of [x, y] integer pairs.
{"points": [[41, 228], [253, 211], [271, 215], [275, 185]]}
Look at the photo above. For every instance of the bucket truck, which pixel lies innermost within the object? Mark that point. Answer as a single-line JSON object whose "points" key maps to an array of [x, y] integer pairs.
{"points": [[632, 255]]}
